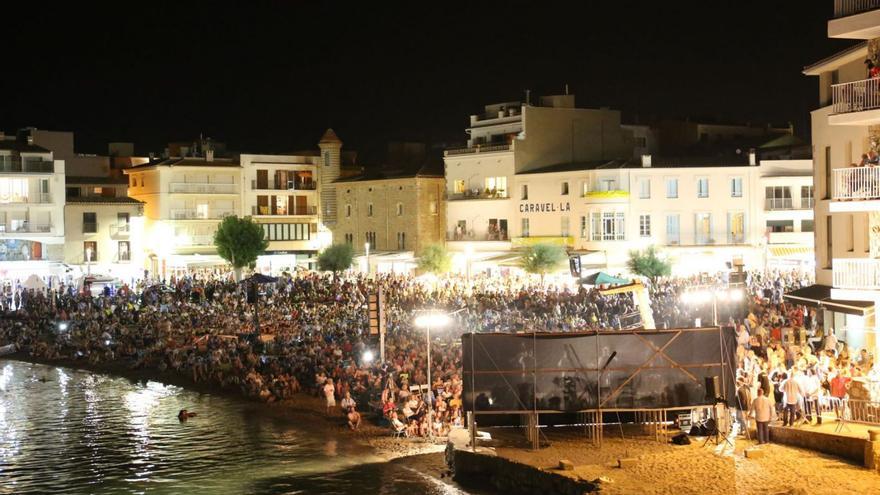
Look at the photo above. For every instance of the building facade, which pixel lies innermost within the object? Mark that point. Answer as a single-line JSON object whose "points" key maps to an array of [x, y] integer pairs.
{"points": [[391, 217], [846, 136], [31, 208], [597, 186]]}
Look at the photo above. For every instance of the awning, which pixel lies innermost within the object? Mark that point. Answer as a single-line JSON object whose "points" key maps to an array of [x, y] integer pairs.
{"points": [[791, 251], [503, 259], [819, 296]]}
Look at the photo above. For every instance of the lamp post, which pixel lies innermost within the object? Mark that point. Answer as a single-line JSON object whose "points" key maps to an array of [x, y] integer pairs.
{"points": [[427, 321]]}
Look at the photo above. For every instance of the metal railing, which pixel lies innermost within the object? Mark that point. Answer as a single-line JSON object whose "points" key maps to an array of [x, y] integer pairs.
{"points": [[202, 240], [191, 214], [856, 96], [845, 8], [856, 273], [736, 238], [479, 194], [480, 148], [37, 199], [203, 188], [471, 236], [778, 204], [290, 186], [298, 210], [120, 229], [856, 183], [27, 166], [26, 227], [807, 203]]}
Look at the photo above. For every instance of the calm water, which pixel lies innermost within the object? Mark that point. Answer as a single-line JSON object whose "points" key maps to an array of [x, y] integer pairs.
{"points": [[71, 431]]}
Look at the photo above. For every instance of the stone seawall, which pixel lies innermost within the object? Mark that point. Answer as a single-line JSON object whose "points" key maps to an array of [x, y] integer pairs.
{"points": [[850, 448], [509, 477]]}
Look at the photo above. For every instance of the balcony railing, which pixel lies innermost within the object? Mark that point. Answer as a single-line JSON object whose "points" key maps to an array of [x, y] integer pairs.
{"points": [[201, 240], [807, 203], [291, 185], [480, 148], [190, 214], [26, 227], [479, 194], [736, 238], [856, 183], [844, 8], [856, 273], [778, 204], [299, 210], [38, 199], [856, 96], [8, 165], [203, 188], [497, 236], [120, 229]]}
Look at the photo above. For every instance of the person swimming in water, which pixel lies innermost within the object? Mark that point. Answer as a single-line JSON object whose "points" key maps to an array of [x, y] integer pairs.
{"points": [[183, 415]]}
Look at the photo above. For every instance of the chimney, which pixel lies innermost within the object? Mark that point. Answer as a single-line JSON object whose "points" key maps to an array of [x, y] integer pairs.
{"points": [[753, 157], [646, 161], [209, 155]]}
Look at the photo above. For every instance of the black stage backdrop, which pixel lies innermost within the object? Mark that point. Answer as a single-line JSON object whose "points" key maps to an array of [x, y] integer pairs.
{"points": [[514, 373]]}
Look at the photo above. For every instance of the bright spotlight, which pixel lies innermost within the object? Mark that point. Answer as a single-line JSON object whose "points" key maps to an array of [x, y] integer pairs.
{"points": [[433, 320], [62, 326], [367, 357], [736, 295], [721, 295]]}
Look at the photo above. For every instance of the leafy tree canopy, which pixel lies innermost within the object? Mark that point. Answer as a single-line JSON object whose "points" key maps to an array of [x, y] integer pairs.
{"points": [[648, 264], [239, 241], [543, 258], [434, 259], [336, 258]]}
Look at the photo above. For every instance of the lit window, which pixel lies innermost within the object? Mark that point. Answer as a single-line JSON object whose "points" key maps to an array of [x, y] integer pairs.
{"points": [[671, 188], [564, 190], [400, 209], [608, 226], [458, 186], [736, 187], [370, 210], [645, 188], [644, 225], [703, 187]]}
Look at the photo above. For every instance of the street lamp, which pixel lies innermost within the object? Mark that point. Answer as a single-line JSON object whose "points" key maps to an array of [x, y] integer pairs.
{"points": [[427, 321]]}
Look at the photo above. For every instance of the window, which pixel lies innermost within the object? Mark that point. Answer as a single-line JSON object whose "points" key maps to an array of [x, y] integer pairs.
{"points": [[524, 195], [70, 192], [777, 198], [736, 227], [327, 158], [122, 220], [736, 187], [607, 185], [703, 187], [828, 175], [400, 209], [349, 239], [829, 247], [563, 227], [851, 233], [645, 188], [703, 229], [142, 181], [672, 188], [458, 186], [608, 226], [123, 251], [641, 141], [807, 226], [673, 231], [564, 189], [13, 190], [644, 225], [90, 251], [370, 209], [133, 182], [262, 179], [348, 211], [778, 226], [90, 222], [584, 230], [44, 188], [371, 239], [496, 186], [287, 231], [401, 241], [525, 227], [807, 197]]}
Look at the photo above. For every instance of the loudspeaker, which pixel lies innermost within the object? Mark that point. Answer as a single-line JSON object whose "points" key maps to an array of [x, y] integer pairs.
{"points": [[713, 388], [681, 439], [574, 265], [252, 294]]}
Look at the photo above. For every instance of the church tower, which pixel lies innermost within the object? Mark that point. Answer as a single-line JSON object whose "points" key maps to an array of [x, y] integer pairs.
{"points": [[331, 161]]}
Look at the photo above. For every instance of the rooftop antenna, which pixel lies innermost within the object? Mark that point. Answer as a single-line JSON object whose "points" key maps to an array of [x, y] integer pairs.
{"points": [[528, 101]]}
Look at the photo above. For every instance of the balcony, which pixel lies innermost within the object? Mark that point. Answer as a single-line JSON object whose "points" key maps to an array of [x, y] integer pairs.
{"points": [[296, 211], [855, 19], [201, 240], [856, 273], [38, 199], [807, 203], [290, 186], [472, 237], [479, 194], [616, 195], [203, 188], [855, 103], [855, 189], [26, 228], [10, 165], [480, 148], [774, 204], [120, 230], [194, 214]]}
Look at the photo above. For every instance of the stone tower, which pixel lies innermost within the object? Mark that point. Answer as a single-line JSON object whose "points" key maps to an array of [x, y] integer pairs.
{"points": [[331, 161]]}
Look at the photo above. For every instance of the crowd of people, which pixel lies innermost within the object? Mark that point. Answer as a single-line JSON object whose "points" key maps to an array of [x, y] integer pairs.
{"points": [[314, 339]]}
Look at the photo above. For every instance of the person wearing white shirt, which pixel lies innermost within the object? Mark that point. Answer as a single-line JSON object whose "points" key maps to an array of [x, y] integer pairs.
{"points": [[763, 411], [792, 393]]}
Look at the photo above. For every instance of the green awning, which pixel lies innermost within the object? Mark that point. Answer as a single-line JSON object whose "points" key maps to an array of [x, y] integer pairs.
{"points": [[602, 278]]}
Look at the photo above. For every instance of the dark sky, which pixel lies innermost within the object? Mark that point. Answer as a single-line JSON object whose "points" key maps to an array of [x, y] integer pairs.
{"points": [[270, 76]]}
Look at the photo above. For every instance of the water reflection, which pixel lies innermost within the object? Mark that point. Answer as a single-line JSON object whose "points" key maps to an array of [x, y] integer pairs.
{"points": [[92, 433]]}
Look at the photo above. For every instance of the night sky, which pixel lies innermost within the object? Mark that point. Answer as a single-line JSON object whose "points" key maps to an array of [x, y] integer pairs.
{"points": [[270, 76]]}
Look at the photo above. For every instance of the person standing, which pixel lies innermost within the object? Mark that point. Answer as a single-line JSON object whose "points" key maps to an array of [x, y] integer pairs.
{"points": [[329, 395], [792, 392], [762, 410]]}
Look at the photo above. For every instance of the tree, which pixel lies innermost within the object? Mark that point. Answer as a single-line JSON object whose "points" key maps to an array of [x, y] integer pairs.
{"points": [[239, 241], [434, 259], [648, 264], [336, 258], [542, 259]]}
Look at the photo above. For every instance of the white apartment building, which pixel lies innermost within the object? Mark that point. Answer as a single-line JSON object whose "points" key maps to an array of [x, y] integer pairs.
{"points": [[846, 126], [184, 201], [31, 209], [564, 183], [281, 192]]}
